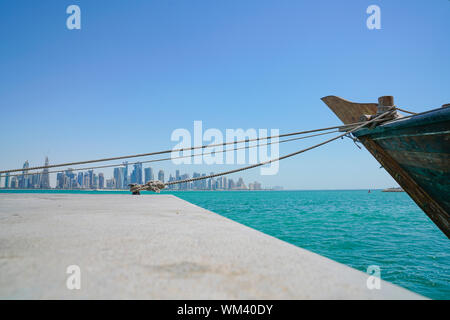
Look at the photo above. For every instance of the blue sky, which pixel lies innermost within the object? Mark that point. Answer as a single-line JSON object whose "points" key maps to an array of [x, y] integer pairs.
{"points": [[155, 66]]}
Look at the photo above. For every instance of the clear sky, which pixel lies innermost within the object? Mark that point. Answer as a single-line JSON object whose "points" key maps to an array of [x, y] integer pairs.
{"points": [[137, 70]]}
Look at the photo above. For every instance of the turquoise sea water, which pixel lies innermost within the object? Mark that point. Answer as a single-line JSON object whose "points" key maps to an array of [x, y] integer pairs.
{"points": [[356, 228], [353, 227]]}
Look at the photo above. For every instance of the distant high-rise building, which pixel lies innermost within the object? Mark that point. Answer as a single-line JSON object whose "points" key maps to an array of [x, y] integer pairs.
{"points": [[256, 186], [139, 176], [118, 178], [211, 182], [23, 178], [110, 184], [241, 185], [35, 180], [86, 180], [91, 178], [60, 180], [161, 175], [148, 172], [136, 175], [231, 184], [185, 185], [125, 174], [45, 179], [203, 182], [14, 183], [172, 186], [124, 178], [196, 185], [7, 180], [95, 185], [101, 181], [80, 179], [69, 174]]}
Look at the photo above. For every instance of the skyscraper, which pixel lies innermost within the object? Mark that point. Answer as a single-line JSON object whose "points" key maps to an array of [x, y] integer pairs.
{"points": [[80, 179], [91, 178], [148, 174], [185, 185], [118, 178], [240, 184], [110, 183], [231, 184], [101, 181], [45, 180], [85, 180], [161, 175], [172, 186], [14, 183], [7, 180], [211, 182], [23, 179], [95, 184], [203, 182], [196, 184], [35, 181], [137, 173], [60, 180], [70, 174], [125, 174]]}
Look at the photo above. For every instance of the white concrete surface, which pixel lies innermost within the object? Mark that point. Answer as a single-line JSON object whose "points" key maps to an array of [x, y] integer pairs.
{"points": [[157, 247]]}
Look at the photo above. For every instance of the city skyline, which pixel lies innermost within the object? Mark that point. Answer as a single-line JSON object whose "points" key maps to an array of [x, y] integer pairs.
{"points": [[87, 179]]}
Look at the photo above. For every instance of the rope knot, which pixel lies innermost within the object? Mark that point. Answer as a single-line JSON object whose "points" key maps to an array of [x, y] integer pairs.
{"points": [[152, 185]]}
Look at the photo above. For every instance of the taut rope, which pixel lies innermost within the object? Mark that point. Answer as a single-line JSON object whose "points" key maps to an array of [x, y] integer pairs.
{"points": [[158, 185]]}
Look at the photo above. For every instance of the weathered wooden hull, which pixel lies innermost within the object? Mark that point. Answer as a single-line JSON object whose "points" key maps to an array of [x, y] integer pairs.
{"points": [[415, 151]]}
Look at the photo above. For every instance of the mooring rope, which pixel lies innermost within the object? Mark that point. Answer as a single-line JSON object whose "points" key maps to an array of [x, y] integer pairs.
{"points": [[173, 158], [342, 127], [390, 112], [405, 111], [168, 151]]}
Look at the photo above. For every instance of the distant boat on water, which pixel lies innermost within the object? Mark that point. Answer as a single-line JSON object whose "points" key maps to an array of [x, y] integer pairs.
{"points": [[395, 189]]}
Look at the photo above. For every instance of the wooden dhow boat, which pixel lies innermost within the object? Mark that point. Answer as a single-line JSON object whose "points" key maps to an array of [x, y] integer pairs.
{"points": [[414, 150]]}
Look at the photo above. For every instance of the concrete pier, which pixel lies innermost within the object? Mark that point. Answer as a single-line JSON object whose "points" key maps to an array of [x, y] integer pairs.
{"points": [[157, 247]]}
